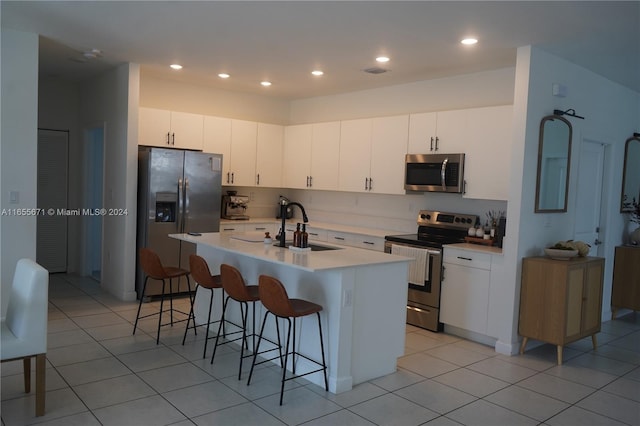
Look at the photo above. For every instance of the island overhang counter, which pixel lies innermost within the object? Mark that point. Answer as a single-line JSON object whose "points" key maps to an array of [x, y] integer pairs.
{"points": [[363, 294]]}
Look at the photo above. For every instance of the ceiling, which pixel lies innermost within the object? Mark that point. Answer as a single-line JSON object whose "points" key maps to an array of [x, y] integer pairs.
{"points": [[284, 41]]}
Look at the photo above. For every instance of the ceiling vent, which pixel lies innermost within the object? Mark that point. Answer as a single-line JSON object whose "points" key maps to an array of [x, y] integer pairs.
{"points": [[375, 70]]}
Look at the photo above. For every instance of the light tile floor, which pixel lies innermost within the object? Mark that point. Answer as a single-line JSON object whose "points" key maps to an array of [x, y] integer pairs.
{"points": [[99, 374]]}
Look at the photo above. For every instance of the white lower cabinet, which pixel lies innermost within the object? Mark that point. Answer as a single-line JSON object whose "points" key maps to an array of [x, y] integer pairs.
{"points": [[465, 288], [230, 228]]}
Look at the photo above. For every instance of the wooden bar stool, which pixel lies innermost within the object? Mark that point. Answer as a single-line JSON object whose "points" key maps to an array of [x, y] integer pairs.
{"points": [[153, 268], [204, 279], [274, 297], [236, 289]]}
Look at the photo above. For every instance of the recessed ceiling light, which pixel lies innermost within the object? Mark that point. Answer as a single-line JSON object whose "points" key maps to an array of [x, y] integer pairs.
{"points": [[176, 66], [317, 72], [265, 83], [469, 41], [223, 75], [382, 59]]}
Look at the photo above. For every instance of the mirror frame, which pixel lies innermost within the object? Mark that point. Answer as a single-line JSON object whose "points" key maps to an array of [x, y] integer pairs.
{"points": [[541, 142], [634, 138]]}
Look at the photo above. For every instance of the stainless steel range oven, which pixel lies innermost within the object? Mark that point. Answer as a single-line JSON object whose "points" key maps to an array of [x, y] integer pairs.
{"points": [[435, 229]]}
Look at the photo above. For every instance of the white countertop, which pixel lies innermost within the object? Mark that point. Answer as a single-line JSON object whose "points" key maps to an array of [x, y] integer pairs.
{"points": [[323, 225], [476, 247], [344, 257]]}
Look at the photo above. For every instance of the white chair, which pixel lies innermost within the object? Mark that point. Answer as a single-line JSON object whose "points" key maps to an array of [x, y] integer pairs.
{"points": [[24, 330]]}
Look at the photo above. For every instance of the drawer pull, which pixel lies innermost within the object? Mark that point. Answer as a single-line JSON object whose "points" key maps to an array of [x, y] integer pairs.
{"points": [[339, 238], [260, 228], [465, 258], [368, 242]]}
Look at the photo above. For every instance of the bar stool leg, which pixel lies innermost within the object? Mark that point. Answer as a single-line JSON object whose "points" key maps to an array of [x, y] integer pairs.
{"points": [[171, 299], [286, 355], [184, 338], [255, 354], [206, 337], [244, 311], [324, 363], [224, 310], [144, 288], [161, 308]]}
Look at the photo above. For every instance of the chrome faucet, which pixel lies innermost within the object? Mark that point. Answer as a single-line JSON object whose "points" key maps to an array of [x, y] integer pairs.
{"points": [[284, 203]]}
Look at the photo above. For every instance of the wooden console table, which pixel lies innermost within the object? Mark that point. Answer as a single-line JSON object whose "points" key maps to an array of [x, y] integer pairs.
{"points": [[560, 300]]}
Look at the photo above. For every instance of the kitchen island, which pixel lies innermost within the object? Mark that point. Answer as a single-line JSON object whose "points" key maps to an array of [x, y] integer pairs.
{"points": [[363, 294]]}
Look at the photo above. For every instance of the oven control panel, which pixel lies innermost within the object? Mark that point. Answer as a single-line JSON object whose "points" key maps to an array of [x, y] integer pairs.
{"points": [[447, 220]]}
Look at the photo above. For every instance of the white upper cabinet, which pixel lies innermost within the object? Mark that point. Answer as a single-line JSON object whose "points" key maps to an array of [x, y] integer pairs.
{"points": [[355, 155], [488, 152], [269, 146], [242, 167], [297, 156], [388, 149], [170, 129], [325, 155], [311, 156], [217, 140], [372, 155], [438, 132]]}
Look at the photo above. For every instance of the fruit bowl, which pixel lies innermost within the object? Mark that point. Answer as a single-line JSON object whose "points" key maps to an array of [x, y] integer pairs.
{"points": [[559, 254]]}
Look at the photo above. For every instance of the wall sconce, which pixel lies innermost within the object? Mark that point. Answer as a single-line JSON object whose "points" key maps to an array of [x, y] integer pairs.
{"points": [[570, 112]]}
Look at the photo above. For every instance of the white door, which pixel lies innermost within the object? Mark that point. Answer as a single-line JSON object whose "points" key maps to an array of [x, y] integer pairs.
{"points": [[51, 227], [589, 194]]}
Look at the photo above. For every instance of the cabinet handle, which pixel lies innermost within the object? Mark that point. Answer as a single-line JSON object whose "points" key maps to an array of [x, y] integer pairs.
{"points": [[228, 229], [368, 242], [307, 181], [366, 184], [168, 138], [315, 234], [258, 179], [173, 138], [370, 184], [232, 177], [310, 181], [339, 238], [437, 140], [260, 228], [465, 258], [464, 186], [228, 174], [431, 143]]}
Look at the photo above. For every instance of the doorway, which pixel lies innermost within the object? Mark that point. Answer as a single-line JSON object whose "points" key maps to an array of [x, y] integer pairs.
{"points": [[589, 194], [94, 161]]}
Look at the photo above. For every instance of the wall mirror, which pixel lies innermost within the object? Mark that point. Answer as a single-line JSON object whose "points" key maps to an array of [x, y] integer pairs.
{"points": [[631, 173], [554, 159]]}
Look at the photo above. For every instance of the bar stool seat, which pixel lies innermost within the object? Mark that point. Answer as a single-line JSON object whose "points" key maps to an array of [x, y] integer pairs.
{"points": [[235, 288], [153, 268], [274, 297], [204, 279]]}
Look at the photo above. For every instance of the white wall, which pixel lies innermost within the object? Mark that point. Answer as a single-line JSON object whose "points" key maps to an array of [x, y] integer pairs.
{"points": [[59, 109], [18, 150], [465, 91], [179, 96], [611, 115], [113, 98]]}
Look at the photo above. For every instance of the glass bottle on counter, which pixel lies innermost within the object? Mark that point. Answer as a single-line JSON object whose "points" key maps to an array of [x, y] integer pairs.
{"points": [[304, 236], [297, 241]]}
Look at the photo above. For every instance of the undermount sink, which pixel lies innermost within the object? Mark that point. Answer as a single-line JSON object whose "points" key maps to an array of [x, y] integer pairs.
{"points": [[313, 247]]}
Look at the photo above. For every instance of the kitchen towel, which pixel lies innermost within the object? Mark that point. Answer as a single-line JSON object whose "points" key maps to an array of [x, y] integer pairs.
{"points": [[419, 268]]}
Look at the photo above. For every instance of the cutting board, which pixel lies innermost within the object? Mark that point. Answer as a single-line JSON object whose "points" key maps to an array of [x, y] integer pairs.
{"points": [[250, 237]]}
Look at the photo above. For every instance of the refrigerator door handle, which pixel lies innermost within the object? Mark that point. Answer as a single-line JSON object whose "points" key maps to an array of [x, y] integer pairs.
{"points": [[180, 218], [185, 212]]}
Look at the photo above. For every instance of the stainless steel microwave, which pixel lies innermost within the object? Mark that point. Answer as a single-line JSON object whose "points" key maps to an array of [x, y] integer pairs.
{"points": [[434, 173]]}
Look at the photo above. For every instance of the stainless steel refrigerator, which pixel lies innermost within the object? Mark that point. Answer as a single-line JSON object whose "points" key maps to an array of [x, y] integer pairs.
{"points": [[178, 191]]}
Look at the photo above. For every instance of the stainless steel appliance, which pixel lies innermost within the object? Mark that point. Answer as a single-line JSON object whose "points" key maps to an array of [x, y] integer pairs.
{"points": [[434, 172], [178, 191], [435, 229], [234, 206]]}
